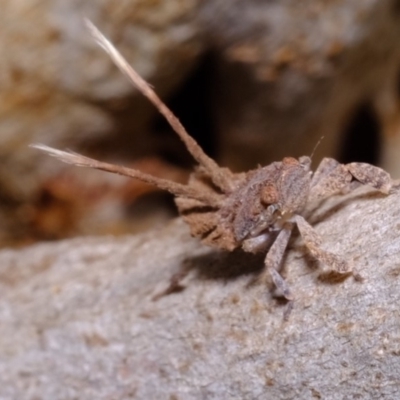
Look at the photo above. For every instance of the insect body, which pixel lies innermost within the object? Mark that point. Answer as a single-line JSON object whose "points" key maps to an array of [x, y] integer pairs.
{"points": [[256, 210]]}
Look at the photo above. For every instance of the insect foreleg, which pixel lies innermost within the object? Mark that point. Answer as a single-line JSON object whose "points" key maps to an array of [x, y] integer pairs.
{"points": [[274, 258], [313, 241], [332, 178]]}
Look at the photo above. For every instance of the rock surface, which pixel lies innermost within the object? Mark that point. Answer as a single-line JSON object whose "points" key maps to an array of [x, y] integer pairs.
{"points": [[58, 87], [283, 76], [78, 318], [290, 73]]}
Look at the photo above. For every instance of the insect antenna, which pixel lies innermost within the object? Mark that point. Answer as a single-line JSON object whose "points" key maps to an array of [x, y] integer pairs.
{"points": [[175, 188], [222, 178], [316, 146]]}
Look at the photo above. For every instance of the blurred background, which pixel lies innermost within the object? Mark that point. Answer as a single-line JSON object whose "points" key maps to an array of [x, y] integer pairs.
{"points": [[251, 80]]}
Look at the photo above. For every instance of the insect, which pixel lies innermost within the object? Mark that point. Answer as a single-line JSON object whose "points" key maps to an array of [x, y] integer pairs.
{"points": [[255, 210]]}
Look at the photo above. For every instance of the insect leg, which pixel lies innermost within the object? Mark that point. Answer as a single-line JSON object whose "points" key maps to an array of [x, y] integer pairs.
{"points": [[274, 257], [370, 175], [313, 242], [332, 178]]}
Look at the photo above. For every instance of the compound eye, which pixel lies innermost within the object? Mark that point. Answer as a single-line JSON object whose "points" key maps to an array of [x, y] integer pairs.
{"points": [[269, 194], [305, 161], [265, 220], [273, 212], [272, 208]]}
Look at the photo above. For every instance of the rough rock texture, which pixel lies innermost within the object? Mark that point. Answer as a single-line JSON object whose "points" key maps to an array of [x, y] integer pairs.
{"points": [[285, 74], [58, 86], [293, 72], [78, 319]]}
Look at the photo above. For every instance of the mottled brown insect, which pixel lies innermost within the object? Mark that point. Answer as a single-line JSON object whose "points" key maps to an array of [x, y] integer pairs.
{"points": [[255, 210]]}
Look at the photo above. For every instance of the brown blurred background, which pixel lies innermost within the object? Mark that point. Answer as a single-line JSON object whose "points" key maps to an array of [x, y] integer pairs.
{"points": [[253, 81]]}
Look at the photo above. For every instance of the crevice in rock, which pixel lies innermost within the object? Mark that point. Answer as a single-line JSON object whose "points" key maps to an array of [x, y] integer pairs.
{"points": [[361, 136], [191, 103]]}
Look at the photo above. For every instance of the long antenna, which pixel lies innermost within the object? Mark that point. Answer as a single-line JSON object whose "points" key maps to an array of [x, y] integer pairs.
{"points": [[221, 178], [173, 187], [316, 146]]}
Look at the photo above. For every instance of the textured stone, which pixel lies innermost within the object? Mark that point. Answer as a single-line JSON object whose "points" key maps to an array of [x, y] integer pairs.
{"points": [[78, 319], [285, 75], [293, 72], [58, 86]]}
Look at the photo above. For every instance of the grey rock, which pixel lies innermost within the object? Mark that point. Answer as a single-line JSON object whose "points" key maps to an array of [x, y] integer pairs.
{"points": [[291, 72], [58, 86], [78, 317]]}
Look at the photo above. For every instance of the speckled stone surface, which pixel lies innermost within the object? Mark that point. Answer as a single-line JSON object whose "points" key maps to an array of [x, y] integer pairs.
{"points": [[78, 318]]}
